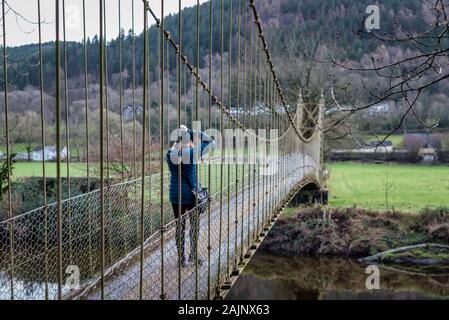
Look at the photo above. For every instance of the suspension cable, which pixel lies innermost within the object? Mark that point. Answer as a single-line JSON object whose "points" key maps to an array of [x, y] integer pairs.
{"points": [[193, 71], [244, 117], [87, 138], [178, 106], [8, 151], [43, 143], [168, 94], [120, 58], [161, 148], [209, 176], [252, 104], [67, 129], [58, 145], [217, 289], [270, 63], [228, 155], [142, 203], [102, 128], [197, 104], [238, 152], [106, 98], [133, 66]]}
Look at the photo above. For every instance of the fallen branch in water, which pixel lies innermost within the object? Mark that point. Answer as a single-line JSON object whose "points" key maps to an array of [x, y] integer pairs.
{"points": [[413, 273], [378, 256]]}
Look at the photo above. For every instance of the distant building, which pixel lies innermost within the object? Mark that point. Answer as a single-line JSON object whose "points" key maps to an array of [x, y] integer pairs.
{"points": [[416, 141], [237, 111], [20, 156], [17, 156], [379, 109], [386, 146], [49, 154], [428, 154], [128, 112]]}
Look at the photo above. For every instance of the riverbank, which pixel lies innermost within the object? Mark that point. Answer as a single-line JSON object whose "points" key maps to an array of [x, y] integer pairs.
{"points": [[354, 232]]}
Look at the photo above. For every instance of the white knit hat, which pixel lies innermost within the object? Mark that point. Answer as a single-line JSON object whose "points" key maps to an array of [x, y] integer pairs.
{"points": [[183, 132]]}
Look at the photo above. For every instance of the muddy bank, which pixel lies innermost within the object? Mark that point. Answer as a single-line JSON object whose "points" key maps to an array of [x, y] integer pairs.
{"points": [[354, 232]]}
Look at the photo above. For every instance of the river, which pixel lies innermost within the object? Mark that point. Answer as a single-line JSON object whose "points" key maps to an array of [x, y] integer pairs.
{"points": [[273, 277]]}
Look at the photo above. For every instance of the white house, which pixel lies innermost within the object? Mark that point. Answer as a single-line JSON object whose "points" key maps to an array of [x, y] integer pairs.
{"points": [[428, 154], [386, 147], [379, 109], [128, 112], [21, 156], [49, 154]]}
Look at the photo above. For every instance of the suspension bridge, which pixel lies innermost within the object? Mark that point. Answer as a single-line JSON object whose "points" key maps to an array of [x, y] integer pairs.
{"points": [[117, 238]]}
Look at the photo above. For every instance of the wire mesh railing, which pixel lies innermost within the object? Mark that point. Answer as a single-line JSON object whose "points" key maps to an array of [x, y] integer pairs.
{"points": [[119, 238], [35, 263]]}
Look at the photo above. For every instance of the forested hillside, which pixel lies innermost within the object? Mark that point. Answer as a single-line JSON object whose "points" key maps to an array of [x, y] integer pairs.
{"points": [[296, 30], [286, 22]]}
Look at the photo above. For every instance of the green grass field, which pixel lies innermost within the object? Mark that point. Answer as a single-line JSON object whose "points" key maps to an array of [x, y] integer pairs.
{"points": [[34, 169], [410, 187]]}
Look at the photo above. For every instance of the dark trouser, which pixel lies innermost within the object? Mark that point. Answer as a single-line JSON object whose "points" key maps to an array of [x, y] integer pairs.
{"points": [[181, 226]]}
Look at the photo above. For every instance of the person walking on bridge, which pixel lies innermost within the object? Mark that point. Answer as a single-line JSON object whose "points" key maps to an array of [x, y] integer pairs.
{"points": [[182, 159]]}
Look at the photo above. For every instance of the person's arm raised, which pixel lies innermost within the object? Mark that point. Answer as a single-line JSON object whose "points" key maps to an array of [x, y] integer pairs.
{"points": [[207, 143]]}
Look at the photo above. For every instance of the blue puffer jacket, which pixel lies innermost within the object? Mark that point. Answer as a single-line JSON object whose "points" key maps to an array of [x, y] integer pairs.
{"points": [[188, 170]]}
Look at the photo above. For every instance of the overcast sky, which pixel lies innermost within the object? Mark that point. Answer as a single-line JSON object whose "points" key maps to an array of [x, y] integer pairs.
{"points": [[22, 28]]}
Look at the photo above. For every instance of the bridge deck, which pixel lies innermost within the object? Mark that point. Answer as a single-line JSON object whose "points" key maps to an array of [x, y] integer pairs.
{"points": [[125, 284], [33, 271]]}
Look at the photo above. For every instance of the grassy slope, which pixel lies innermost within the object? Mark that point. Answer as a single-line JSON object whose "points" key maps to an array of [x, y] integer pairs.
{"points": [[411, 187]]}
